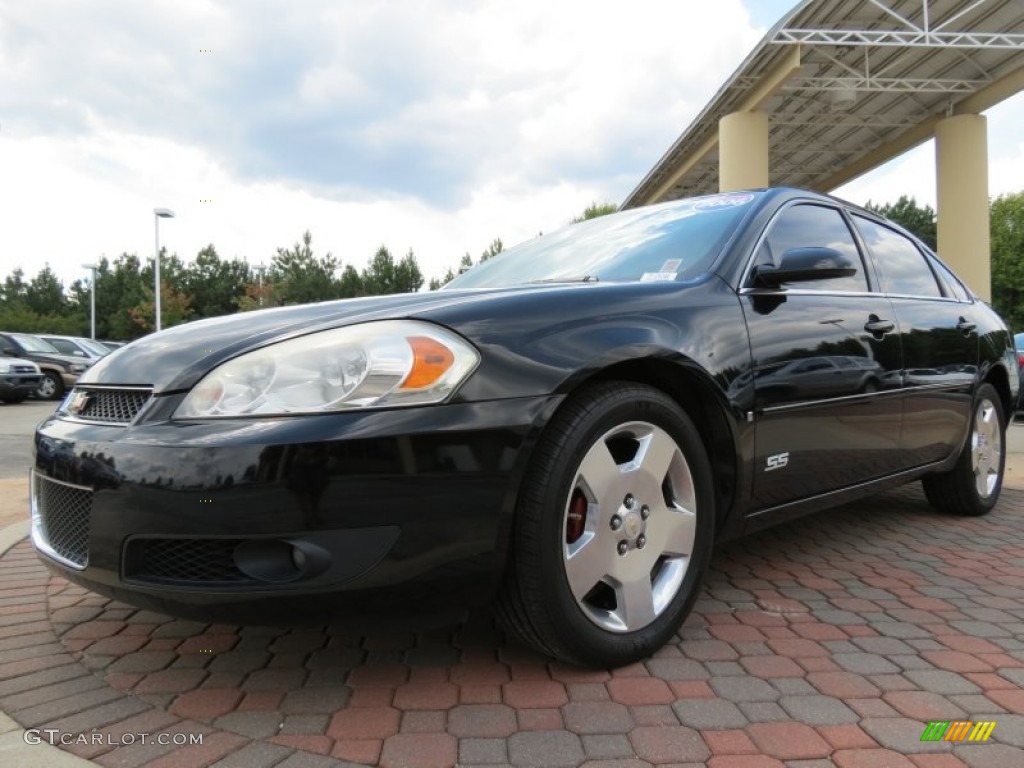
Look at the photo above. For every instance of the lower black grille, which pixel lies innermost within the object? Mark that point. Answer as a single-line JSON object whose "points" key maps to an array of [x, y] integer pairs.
{"points": [[183, 561], [118, 406], [61, 513]]}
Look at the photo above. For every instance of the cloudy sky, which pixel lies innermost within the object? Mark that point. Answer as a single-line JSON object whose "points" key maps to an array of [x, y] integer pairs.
{"points": [[435, 126]]}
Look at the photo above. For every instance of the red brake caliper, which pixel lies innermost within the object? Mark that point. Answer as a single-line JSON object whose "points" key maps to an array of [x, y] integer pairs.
{"points": [[576, 518]]}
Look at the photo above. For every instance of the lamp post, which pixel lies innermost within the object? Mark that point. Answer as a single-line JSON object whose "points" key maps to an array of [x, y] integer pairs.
{"points": [[158, 213], [92, 299], [259, 269]]}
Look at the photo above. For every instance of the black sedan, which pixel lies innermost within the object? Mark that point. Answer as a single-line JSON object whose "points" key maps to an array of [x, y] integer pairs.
{"points": [[564, 430]]}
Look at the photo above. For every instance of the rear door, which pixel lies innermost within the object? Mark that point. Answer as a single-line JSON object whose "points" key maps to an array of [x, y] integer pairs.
{"points": [[940, 343], [827, 367]]}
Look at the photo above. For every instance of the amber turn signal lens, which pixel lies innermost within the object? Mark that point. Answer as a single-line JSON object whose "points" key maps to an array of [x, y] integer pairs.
{"points": [[430, 361]]}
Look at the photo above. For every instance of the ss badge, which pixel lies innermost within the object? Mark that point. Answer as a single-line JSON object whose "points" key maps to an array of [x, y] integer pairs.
{"points": [[778, 461]]}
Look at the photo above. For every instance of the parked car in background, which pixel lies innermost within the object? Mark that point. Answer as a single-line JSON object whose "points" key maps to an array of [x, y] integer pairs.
{"points": [[78, 346], [58, 371], [18, 379], [563, 431], [111, 345], [1018, 341]]}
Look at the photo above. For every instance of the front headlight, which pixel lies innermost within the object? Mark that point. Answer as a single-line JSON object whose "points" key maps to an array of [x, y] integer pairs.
{"points": [[78, 368], [372, 365], [6, 367]]}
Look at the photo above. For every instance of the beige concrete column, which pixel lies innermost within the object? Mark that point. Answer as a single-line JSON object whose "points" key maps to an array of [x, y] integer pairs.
{"points": [[961, 161], [743, 151]]}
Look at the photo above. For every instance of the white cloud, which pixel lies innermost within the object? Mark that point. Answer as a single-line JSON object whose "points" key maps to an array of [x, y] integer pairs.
{"points": [[436, 126], [432, 125]]}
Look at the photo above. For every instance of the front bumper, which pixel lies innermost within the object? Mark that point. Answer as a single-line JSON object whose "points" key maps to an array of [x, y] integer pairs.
{"points": [[278, 519], [18, 385]]}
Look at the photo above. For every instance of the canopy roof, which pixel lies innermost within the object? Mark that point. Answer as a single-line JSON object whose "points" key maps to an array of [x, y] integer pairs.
{"points": [[850, 84]]}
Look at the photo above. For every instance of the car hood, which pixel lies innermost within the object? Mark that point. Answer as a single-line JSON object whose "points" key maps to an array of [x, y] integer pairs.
{"points": [[175, 359], [19, 361], [46, 357]]}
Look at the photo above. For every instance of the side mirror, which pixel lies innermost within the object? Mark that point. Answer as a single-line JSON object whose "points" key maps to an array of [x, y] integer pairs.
{"points": [[803, 264]]}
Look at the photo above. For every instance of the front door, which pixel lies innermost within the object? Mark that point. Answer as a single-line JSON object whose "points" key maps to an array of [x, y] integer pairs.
{"points": [[827, 365]]}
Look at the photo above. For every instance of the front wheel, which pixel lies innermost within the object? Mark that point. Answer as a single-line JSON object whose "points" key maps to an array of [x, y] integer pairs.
{"points": [[972, 487], [51, 387], [613, 530]]}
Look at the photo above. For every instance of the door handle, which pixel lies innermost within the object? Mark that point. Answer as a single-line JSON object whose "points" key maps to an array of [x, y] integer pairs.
{"points": [[879, 327], [966, 325]]}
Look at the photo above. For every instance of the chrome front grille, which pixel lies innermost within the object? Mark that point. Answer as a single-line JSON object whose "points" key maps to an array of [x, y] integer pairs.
{"points": [[25, 369], [112, 406], [60, 520]]}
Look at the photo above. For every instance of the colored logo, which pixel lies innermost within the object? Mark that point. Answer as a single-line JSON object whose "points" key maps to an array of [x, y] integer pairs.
{"points": [[958, 730]]}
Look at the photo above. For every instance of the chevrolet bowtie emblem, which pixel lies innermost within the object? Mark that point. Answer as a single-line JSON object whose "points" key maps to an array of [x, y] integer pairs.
{"points": [[77, 403]]}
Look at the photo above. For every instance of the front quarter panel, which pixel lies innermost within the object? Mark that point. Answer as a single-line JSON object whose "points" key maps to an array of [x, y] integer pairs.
{"points": [[548, 344]]}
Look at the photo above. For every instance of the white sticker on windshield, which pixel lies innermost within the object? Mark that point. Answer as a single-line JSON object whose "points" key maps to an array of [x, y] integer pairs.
{"points": [[672, 265], [655, 277], [722, 201]]}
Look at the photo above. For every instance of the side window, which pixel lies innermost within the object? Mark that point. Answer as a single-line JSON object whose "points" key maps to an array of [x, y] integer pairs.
{"points": [[902, 266], [956, 288], [801, 226], [5, 346]]}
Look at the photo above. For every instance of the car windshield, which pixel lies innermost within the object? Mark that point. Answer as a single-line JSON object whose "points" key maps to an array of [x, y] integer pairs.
{"points": [[32, 344], [671, 241], [94, 347]]}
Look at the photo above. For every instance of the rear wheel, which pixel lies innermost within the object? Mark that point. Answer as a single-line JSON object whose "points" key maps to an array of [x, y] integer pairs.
{"points": [[972, 487], [614, 528]]}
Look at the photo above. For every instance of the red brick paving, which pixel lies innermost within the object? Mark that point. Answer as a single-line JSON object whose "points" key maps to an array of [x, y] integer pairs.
{"points": [[788, 609], [789, 741]]}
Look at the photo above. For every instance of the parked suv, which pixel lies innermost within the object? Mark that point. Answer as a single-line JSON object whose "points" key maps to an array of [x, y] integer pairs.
{"points": [[59, 371], [18, 379], [77, 346]]}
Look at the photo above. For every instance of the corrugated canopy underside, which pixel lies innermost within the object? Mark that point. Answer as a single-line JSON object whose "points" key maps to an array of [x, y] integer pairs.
{"points": [[874, 76]]}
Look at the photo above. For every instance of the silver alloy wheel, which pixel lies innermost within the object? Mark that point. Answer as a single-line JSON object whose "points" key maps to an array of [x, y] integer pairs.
{"points": [[628, 560], [986, 448], [47, 388]]}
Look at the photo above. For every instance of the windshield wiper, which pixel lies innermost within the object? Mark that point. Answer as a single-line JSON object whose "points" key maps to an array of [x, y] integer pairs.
{"points": [[581, 279]]}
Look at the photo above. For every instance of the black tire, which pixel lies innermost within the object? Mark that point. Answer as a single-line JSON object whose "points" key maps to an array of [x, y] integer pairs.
{"points": [[537, 603], [957, 492], [51, 387]]}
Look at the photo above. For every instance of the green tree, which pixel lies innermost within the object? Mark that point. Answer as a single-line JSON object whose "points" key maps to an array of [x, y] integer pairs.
{"points": [[300, 276], [380, 274], [351, 283], [408, 278], [594, 210], [920, 220], [174, 309], [14, 288], [1006, 220], [213, 285], [45, 293], [119, 289], [492, 250]]}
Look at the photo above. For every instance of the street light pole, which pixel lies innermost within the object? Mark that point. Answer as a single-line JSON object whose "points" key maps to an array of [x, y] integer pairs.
{"points": [[158, 213], [92, 299], [259, 268]]}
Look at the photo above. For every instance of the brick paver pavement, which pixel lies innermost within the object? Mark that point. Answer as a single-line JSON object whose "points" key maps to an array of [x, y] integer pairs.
{"points": [[827, 641]]}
